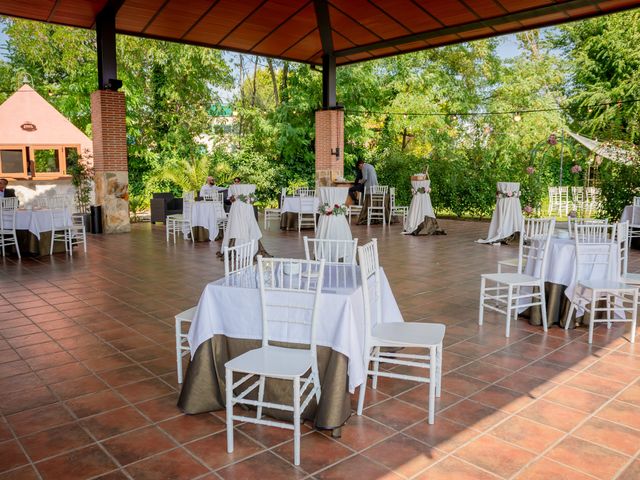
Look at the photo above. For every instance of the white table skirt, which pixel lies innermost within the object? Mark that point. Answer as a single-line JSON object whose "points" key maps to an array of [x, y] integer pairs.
{"points": [[292, 204], [627, 214], [561, 266], [334, 227], [204, 214], [420, 206], [228, 309], [37, 221]]}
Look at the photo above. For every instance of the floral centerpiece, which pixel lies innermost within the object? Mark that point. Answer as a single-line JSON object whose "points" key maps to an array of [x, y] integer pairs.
{"points": [[249, 198], [326, 209], [507, 194], [423, 190]]}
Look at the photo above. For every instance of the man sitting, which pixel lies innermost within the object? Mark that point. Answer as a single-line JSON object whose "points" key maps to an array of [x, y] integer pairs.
{"points": [[369, 179], [210, 189], [4, 191]]}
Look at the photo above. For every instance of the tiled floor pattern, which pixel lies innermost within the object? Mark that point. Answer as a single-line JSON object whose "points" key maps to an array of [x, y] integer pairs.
{"points": [[88, 386]]}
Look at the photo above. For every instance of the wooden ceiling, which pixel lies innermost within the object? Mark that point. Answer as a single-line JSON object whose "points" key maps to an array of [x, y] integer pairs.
{"points": [[302, 30]]}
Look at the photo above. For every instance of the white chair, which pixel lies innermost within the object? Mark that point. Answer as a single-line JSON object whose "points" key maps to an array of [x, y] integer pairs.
{"points": [[634, 226], [221, 216], [379, 335], [66, 228], [307, 212], [331, 251], [356, 209], [578, 199], [592, 201], [180, 222], [396, 210], [274, 213], [623, 242], [8, 237], [182, 338], [305, 192], [554, 201], [534, 244], [291, 300], [596, 247], [238, 258], [573, 221], [78, 233], [376, 209], [563, 195]]}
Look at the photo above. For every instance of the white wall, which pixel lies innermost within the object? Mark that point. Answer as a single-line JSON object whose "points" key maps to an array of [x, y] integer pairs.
{"points": [[28, 190]]}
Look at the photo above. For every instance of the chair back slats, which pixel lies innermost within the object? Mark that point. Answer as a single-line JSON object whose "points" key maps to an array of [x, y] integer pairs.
{"points": [[635, 211], [331, 251], [572, 221], [8, 207], [278, 278], [378, 189], [305, 192], [623, 247], [238, 258], [534, 243], [188, 196], [370, 273], [595, 244]]}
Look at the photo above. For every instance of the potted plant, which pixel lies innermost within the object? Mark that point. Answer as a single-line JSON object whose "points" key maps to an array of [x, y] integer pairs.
{"points": [[82, 180]]}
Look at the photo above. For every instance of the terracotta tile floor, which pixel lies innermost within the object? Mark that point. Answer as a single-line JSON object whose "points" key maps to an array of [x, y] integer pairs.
{"points": [[88, 386]]}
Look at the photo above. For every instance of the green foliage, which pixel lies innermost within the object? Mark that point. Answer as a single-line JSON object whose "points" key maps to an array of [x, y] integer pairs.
{"points": [[81, 179]]}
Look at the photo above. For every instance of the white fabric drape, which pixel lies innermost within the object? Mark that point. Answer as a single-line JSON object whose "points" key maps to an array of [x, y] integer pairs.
{"points": [[37, 221], [204, 214], [292, 204], [334, 227], [242, 224], [420, 206], [507, 217]]}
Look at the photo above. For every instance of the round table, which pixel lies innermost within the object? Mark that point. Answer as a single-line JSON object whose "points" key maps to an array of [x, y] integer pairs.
{"points": [[204, 221]]}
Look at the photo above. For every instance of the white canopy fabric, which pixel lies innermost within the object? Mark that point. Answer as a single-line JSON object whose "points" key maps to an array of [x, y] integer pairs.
{"points": [[507, 217], [242, 224], [616, 154], [334, 227]]}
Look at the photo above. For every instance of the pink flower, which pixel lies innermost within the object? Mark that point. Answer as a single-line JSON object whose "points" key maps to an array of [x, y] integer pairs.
{"points": [[528, 209], [336, 206], [576, 169], [552, 140], [509, 194], [531, 170], [329, 213]]}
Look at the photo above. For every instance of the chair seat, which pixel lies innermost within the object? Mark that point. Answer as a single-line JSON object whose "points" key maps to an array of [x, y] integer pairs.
{"points": [[187, 315], [632, 278], [604, 285], [512, 278], [273, 362], [408, 334], [512, 262]]}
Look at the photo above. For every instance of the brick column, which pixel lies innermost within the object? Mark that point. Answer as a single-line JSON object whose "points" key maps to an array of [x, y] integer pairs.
{"points": [[329, 137], [108, 115]]}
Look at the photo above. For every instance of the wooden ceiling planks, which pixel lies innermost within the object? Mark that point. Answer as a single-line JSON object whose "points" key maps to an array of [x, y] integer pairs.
{"points": [[360, 29]]}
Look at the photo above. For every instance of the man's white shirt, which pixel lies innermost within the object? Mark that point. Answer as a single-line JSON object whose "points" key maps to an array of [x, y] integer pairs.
{"points": [[209, 190]]}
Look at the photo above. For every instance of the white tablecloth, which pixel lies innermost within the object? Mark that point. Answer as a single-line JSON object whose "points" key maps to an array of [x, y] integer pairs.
{"points": [[561, 265], [420, 206], [232, 308], [204, 214], [507, 217], [242, 224], [37, 221], [334, 227], [292, 204], [627, 215]]}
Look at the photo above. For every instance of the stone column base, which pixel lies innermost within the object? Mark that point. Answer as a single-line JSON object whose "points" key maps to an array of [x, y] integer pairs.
{"points": [[112, 192]]}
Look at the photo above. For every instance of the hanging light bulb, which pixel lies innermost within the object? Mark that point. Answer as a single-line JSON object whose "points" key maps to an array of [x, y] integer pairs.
{"points": [[517, 117]]}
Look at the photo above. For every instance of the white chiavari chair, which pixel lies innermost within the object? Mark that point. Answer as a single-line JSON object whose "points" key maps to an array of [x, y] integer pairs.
{"points": [[534, 242], [8, 237], [396, 210], [634, 226], [563, 194], [623, 244], [331, 251], [274, 213], [289, 300], [379, 335], [307, 212], [597, 246], [376, 209], [578, 199], [573, 221], [181, 222]]}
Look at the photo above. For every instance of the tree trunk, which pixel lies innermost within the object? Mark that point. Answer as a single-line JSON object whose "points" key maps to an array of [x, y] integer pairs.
{"points": [[284, 85], [255, 73], [274, 81]]}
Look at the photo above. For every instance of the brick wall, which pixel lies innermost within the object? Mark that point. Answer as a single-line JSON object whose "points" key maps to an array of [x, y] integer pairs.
{"points": [[108, 120], [329, 136]]}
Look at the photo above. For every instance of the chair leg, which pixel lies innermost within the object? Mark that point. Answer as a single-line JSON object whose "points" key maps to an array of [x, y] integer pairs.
{"points": [[592, 317], [432, 386], [260, 397], [296, 421], [634, 316], [543, 307], [53, 236], [483, 283], [363, 389], [439, 369], [376, 367], [15, 240], [509, 300], [2, 243], [567, 320], [166, 229], [228, 375], [179, 350]]}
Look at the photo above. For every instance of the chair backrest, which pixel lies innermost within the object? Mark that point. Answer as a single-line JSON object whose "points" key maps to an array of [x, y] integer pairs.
{"points": [[60, 218], [238, 258], [278, 279], [307, 204], [378, 189], [573, 221], [59, 201], [8, 207], [392, 197], [188, 196], [635, 211], [595, 244], [219, 208], [577, 193], [187, 206], [331, 251], [623, 247], [283, 195], [208, 197], [553, 191], [305, 192], [534, 243], [372, 297]]}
